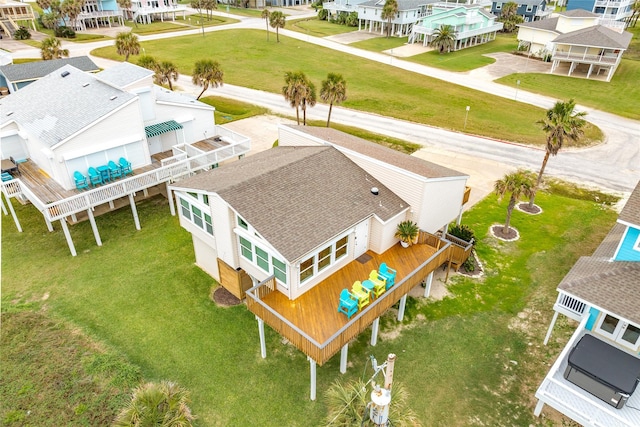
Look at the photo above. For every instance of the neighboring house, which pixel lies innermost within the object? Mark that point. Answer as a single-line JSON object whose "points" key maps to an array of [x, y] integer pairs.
{"points": [[17, 76], [294, 222], [11, 12], [594, 379], [71, 120], [576, 44], [336, 7], [530, 10], [409, 12], [614, 10], [473, 25], [147, 11], [99, 13]]}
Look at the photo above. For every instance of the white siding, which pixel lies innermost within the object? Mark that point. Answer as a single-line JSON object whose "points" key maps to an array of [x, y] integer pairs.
{"points": [[444, 203], [376, 232], [197, 121], [223, 220], [206, 256]]}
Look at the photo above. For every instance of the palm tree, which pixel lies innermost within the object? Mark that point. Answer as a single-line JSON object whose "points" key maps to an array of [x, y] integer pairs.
{"points": [[333, 91], [347, 405], [165, 72], [127, 44], [265, 15], [632, 19], [51, 48], [72, 9], [295, 89], [519, 184], [389, 11], [277, 20], [308, 100], [162, 405], [148, 62], [509, 17], [207, 73], [445, 38], [560, 123]]}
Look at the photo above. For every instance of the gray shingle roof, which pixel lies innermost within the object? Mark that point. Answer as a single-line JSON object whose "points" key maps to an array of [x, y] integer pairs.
{"points": [[299, 197], [544, 24], [631, 211], [39, 69], [124, 74], [578, 13], [55, 107], [528, 2], [402, 4], [597, 36], [404, 161]]}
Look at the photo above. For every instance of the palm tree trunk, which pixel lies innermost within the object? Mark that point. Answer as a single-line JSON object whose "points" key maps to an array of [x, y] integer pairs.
{"points": [[304, 115], [539, 180], [512, 204], [278, 39], [267, 29], [203, 89], [329, 116], [170, 85], [298, 115]]}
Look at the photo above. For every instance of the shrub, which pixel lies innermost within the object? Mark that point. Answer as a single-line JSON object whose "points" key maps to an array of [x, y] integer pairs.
{"points": [[352, 19], [22, 33], [323, 14], [462, 232], [65, 32]]}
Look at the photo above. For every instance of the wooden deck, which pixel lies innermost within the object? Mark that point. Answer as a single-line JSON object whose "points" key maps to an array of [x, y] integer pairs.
{"points": [[312, 322]]}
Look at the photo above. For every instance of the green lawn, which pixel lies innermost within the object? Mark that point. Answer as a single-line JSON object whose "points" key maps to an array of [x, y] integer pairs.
{"points": [[229, 110], [190, 23], [372, 86], [317, 28], [141, 295], [381, 43]]}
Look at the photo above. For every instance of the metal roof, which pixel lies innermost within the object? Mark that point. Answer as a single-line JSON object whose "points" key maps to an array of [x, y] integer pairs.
{"points": [[160, 128], [38, 69]]}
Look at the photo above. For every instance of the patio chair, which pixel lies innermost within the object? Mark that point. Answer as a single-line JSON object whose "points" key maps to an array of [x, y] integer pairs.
{"points": [[6, 176], [95, 177], [388, 273], [81, 181], [363, 295], [114, 170], [377, 279], [377, 289], [125, 166], [348, 304]]}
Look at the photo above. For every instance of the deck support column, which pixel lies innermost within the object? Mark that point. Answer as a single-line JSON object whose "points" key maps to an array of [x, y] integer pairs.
{"points": [[94, 227], [343, 358], [553, 323], [403, 303], [4, 208], [67, 235], [312, 367], [172, 206], [13, 212], [136, 220], [49, 225], [374, 331], [538, 409], [263, 346], [427, 285]]}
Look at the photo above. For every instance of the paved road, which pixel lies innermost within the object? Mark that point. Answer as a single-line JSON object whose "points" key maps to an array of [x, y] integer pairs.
{"points": [[614, 165]]}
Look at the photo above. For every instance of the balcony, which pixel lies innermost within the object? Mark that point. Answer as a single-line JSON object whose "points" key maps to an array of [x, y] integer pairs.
{"points": [[312, 322], [607, 59]]}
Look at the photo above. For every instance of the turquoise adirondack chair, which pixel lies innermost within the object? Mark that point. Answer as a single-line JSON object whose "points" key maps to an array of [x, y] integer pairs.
{"points": [[348, 304]]}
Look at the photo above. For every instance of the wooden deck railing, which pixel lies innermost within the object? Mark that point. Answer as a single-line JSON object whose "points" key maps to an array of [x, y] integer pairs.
{"points": [[322, 352], [123, 187]]}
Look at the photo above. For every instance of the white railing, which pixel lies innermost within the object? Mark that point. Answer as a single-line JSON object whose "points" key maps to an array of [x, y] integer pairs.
{"points": [[570, 306], [461, 34], [597, 59], [107, 193], [601, 3]]}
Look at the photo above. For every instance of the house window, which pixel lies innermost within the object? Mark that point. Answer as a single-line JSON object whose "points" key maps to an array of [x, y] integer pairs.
{"points": [[195, 213], [530, 8], [324, 258], [498, 6], [262, 259], [279, 269], [242, 223], [246, 248], [621, 332]]}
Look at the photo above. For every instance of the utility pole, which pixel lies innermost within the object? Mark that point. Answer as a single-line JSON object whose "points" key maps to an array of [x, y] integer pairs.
{"points": [[381, 397]]}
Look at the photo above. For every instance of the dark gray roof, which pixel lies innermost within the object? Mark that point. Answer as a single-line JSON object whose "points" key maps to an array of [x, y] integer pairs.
{"points": [[402, 4], [298, 197], [543, 24], [631, 211], [578, 13], [611, 285], [55, 107], [597, 36], [124, 74], [38, 69], [404, 161]]}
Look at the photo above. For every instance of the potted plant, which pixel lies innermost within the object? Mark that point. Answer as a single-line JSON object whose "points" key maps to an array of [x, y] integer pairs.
{"points": [[407, 232]]}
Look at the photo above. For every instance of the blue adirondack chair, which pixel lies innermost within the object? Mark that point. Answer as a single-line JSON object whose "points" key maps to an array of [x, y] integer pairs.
{"points": [[125, 166], [114, 170], [348, 304], [6, 176], [94, 176], [388, 273], [81, 181]]}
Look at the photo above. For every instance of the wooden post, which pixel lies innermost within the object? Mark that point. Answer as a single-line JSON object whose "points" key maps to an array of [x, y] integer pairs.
{"points": [[427, 287], [4, 208], [403, 303], [263, 346], [94, 227], [312, 366], [553, 322], [448, 268], [136, 220], [67, 235], [172, 206], [343, 358], [388, 375], [374, 331]]}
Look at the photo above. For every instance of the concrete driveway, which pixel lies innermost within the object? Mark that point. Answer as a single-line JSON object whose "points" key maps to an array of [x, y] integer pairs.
{"points": [[507, 63]]}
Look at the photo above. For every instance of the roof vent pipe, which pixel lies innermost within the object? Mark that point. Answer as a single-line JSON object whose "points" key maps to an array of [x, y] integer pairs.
{"points": [[65, 73], [374, 191]]}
